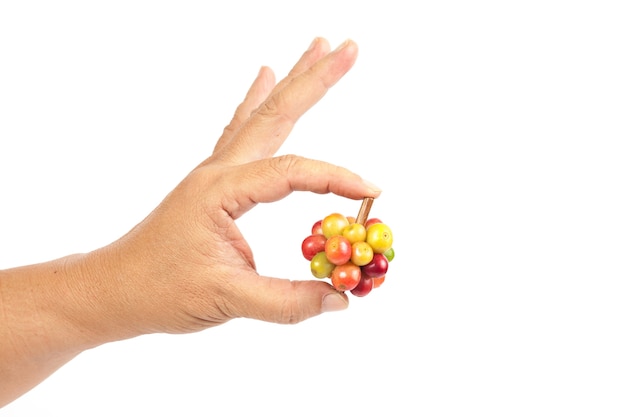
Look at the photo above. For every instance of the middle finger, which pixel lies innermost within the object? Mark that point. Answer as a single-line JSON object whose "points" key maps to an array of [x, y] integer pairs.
{"points": [[268, 127]]}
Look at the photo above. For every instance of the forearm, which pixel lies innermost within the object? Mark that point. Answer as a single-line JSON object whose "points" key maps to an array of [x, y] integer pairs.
{"points": [[49, 313]]}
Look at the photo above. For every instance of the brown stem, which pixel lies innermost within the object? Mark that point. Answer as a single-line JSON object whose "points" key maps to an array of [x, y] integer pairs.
{"points": [[364, 211]]}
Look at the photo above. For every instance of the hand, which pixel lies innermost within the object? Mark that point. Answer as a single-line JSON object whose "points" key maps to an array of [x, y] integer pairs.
{"points": [[187, 267]]}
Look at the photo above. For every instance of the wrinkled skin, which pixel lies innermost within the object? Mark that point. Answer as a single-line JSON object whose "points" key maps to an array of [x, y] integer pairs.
{"points": [[186, 267]]}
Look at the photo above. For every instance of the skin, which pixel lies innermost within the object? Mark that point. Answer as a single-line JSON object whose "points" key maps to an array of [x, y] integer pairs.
{"points": [[186, 267]]}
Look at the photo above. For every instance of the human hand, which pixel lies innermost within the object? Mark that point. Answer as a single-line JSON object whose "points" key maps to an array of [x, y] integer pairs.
{"points": [[187, 267]]}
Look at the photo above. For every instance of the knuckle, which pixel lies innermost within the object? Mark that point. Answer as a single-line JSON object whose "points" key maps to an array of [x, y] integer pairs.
{"points": [[291, 311], [269, 107], [276, 107], [229, 129], [284, 164]]}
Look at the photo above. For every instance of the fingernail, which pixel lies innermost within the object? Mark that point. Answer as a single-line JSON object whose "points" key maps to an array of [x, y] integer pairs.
{"points": [[313, 44], [333, 302], [343, 45], [374, 188]]}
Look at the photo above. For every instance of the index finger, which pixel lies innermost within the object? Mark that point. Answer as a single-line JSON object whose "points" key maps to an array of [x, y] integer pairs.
{"points": [[272, 179], [268, 127]]}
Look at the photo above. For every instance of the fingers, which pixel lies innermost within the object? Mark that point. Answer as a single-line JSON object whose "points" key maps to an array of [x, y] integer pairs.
{"points": [[272, 179], [268, 127], [263, 86], [286, 302], [317, 50], [258, 92]]}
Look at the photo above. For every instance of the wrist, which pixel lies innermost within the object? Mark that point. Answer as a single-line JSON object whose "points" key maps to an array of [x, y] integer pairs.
{"points": [[101, 297], [49, 313], [56, 307]]}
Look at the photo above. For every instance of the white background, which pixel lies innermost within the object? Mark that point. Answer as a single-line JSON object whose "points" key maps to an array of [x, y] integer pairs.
{"points": [[494, 128]]}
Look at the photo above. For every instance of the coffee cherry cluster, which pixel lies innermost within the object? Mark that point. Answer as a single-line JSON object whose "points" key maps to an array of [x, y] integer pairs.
{"points": [[353, 252]]}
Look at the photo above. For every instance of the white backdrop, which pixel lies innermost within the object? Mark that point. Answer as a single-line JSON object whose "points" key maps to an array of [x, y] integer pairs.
{"points": [[494, 128]]}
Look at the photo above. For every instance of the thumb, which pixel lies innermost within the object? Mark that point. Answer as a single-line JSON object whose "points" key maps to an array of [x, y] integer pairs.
{"points": [[287, 302]]}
